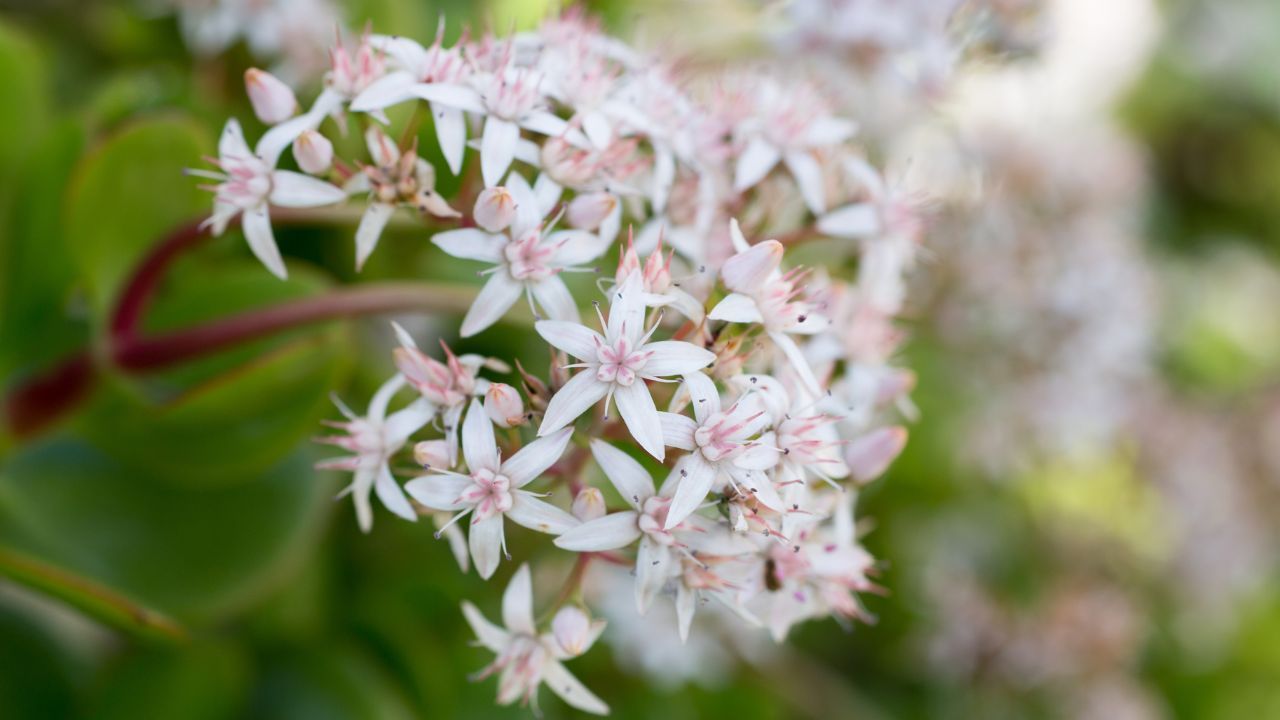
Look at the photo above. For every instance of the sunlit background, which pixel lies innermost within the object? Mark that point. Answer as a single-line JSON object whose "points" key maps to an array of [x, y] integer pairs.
{"points": [[1084, 523]]}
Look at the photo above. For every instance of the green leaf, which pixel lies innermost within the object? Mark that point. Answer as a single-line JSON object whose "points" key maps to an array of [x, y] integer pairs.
{"points": [[222, 419], [130, 192], [36, 677], [205, 680], [85, 595], [24, 96], [196, 554]]}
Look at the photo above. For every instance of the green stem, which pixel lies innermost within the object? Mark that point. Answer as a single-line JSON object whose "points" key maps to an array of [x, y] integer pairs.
{"points": [[89, 597]]}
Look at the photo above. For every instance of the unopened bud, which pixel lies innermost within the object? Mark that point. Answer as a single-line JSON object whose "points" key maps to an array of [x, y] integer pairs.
{"points": [[432, 453], [566, 164], [588, 504], [534, 388], [573, 630], [588, 211], [495, 209], [313, 152], [273, 101], [869, 456], [503, 405]]}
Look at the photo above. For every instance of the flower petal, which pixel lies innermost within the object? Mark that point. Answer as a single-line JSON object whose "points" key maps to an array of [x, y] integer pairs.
{"points": [[370, 230], [703, 395], [533, 459], [581, 392], [756, 160], [808, 175], [478, 444], [579, 341], [390, 89], [470, 244], [485, 539], [675, 357], [677, 430], [694, 477], [606, 533], [798, 362], [517, 603], [495, 299], [640, 415], [747, 271], [736, 308], [451, 132], [653, 567], [491, 636], [571, 690], [627, 475], [576, 247], [686, 604], [626, 310], [529, 511], [392, 496], [497, 149], [440, 492], [554, 299], [256, 225], [231, 143], [859, 220], [455, 96]]}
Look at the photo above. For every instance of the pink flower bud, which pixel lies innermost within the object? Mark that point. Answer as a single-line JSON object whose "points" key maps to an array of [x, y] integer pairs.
{"points": [[588, 504], [567, 164], [586, 212], [495, 209], [273, 101], [313, 152], [432, 453], [869, 456], [503, 405], [573, 630]]}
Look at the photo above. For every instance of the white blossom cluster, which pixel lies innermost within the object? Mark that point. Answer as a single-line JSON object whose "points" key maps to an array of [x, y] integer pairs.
{"points": [[777, 382], [293, 34]]}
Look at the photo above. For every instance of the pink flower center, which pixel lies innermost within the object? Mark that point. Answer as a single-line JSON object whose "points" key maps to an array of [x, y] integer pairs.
{"points": [[489, 492], [721, 436], [512, 93], [528, 258], [620, 363], [248, 182], [653, 518]]}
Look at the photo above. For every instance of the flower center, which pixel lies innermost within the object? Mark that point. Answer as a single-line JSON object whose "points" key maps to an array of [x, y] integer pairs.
{"points": [[528, 258], [620, 363], [719, 437], [489, 492], [653, 517]]}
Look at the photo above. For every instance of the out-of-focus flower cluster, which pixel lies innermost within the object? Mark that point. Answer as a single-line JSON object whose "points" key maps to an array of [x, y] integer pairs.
{"points": [[779, 390], [293, 34]]}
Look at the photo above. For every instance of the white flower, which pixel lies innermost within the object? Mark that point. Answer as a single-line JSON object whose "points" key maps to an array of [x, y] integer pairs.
{"points": [[249, 184], [394, 179], [447, 386], [527, 659], [806, 438], [762, 294], [373, 439], [527, 258], [645, 521], [724, 446], [819, 574], [424, 73], [790, 124], [492, 489], [616, 365]]}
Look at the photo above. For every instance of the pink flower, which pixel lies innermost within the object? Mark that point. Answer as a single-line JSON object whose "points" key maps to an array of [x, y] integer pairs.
{"points": [[372, 440], [615, 365], [492, 489], [527, 659]]}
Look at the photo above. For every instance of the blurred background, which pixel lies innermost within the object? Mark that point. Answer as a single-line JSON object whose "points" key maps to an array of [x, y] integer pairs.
{"points": [[1083, 525]]}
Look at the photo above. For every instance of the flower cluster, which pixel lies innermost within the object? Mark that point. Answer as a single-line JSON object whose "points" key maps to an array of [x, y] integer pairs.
{"points": [[713, 420]]}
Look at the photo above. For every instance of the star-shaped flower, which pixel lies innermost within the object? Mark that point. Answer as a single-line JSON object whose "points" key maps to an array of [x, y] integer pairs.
{"points": [[249, 184], [527, 659], [492, 488], [615, 365], [372, 440]]}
